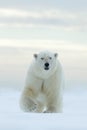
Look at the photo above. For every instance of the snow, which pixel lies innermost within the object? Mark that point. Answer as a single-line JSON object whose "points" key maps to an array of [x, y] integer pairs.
{"points": [[74, 116]]}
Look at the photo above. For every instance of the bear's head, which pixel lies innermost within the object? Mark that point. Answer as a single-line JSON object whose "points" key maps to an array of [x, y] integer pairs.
{"points": [[46, 60]]}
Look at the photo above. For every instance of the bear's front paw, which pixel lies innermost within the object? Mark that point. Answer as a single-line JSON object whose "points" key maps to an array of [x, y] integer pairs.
{"points": [[51, 109], [33, 108]]}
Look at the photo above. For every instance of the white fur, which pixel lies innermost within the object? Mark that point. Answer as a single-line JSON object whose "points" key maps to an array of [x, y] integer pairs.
{"points": [[43, 88]]}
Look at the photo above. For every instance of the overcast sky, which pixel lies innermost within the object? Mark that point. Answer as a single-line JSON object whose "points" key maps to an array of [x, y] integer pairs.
{"points": [[64, 20]]}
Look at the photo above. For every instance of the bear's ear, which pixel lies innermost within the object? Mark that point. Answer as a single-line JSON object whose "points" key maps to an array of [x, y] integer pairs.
{"points": [[56, 55], [35, 56]]}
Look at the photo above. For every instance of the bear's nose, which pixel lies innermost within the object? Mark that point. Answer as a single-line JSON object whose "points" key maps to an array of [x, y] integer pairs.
{"points": [[46, 64]]}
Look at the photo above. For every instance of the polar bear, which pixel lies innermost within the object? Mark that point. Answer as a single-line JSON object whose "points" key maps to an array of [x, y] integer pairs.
{"points": [[44, 85]]}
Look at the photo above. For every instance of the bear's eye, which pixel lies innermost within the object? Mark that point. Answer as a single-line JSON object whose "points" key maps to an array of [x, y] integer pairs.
{"points": [[50, 58], [42, 58]]}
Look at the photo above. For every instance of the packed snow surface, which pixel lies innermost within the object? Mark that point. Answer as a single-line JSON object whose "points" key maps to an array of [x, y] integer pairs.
{"points": [[74, 116]]}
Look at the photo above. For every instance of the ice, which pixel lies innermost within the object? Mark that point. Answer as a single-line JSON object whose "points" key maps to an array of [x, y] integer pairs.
{"points": [[74, 116]]}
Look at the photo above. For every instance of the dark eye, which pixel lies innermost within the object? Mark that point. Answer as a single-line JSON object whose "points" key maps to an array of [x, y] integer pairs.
{"points": [[42, 58], [50, 58]]}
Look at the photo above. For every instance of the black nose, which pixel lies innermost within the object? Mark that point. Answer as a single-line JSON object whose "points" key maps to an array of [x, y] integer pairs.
{"points": [[46, 64]]}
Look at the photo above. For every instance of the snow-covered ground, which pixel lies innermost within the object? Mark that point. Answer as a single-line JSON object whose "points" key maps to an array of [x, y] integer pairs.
{"points": [[74, 116]]}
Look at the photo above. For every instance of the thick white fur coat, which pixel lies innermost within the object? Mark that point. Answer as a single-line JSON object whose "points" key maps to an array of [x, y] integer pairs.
{"points": [[43, 88]]}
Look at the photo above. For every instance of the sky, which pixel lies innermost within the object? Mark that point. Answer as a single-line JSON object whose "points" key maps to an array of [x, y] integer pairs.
{"points": [[63, 21]]}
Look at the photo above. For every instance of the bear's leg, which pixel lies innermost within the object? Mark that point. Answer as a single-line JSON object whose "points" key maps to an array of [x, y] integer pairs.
{"points": [[27, 102], [32, 103], [28, 105], [51, 109], [54, 106]]}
